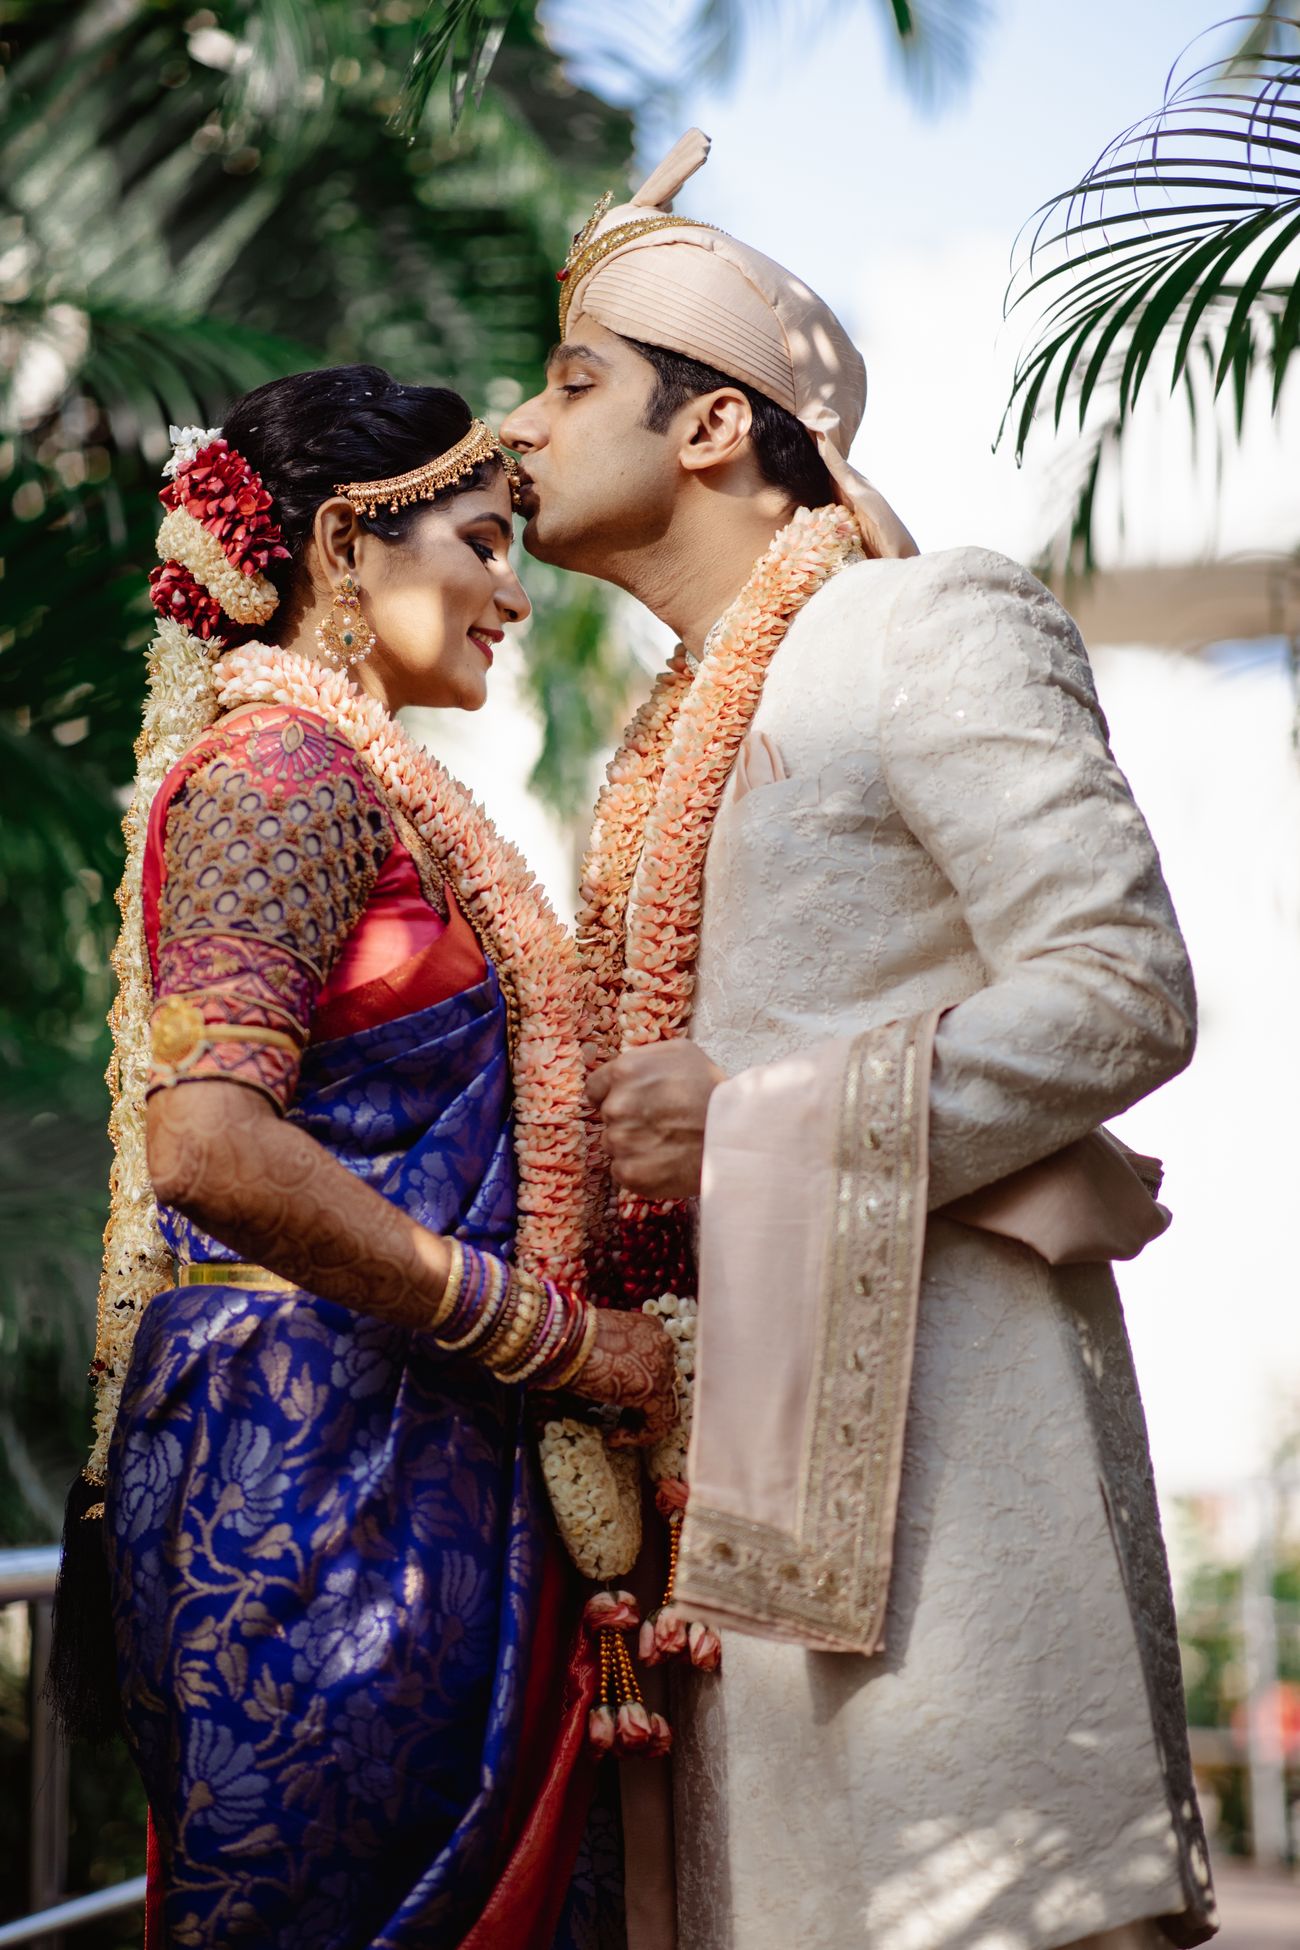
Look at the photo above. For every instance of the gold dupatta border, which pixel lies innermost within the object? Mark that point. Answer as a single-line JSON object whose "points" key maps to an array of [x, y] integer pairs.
{"points": [[827, 1586]]}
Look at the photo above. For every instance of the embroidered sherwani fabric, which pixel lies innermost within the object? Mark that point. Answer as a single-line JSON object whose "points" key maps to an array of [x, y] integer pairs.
{"points": [[1011, 1771]]}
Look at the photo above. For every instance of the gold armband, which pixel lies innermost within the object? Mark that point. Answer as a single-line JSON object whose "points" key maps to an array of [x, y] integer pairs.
{"points": [[179, 1033]]}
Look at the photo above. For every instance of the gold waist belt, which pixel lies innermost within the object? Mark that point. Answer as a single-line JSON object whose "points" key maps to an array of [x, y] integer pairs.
{"points": [[225, 1272]]}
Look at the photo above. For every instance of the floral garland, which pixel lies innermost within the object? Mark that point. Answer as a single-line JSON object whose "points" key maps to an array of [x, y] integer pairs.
{"points": [[638, 935], [515, 922], [595, 1492], [641, 887], [621, 813], [216, 540], [179, 705], [243, 595]]}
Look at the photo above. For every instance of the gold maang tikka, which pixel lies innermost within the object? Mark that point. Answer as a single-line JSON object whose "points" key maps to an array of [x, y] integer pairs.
{"points": [[423, 483]]}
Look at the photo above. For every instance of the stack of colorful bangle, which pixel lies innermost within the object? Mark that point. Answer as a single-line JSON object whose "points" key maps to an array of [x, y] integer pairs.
{"points": [[522, 1329]]}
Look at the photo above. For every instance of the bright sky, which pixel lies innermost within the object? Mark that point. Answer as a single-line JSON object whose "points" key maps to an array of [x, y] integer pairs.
{"points": [[906, 223]]}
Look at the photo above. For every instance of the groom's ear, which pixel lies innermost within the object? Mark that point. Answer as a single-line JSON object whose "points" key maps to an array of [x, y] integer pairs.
{"points": [[715, 429]]}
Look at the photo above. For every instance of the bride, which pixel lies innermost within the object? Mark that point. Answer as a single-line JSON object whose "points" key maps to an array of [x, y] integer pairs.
{"points": [[349, 1185]]}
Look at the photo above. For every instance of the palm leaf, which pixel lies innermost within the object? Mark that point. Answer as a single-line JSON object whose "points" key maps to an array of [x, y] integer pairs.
{"points": [[937, 43], [461, 38], [934, 42], [1175, 252]]}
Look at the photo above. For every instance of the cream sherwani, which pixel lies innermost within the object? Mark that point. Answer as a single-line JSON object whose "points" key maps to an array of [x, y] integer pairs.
{"points": [[1011, 1771]]}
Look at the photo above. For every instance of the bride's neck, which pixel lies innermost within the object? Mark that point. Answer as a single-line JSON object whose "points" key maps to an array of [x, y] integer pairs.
{"points": [[297, 636]]}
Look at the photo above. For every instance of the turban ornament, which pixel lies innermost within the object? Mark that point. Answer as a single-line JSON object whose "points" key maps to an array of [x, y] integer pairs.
{"points": [[679, 283]]}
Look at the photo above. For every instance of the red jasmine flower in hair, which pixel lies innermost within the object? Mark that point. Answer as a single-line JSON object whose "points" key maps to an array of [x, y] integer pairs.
{"points": [[175, 593], [222, 491]]}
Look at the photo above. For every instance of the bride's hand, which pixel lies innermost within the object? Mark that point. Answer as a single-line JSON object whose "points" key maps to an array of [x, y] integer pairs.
{"points": [[632, 1365]]}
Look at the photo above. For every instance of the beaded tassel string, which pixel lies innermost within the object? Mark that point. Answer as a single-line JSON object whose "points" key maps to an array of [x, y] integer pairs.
{"points": [[674, 1551], [618, 1686]]}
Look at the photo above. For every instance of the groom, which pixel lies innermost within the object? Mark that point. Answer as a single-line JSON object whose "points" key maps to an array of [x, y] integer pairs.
{"points": [[878, 938]]}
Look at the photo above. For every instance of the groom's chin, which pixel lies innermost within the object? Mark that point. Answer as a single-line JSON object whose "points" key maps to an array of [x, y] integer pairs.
{"points": [[541, 546]]}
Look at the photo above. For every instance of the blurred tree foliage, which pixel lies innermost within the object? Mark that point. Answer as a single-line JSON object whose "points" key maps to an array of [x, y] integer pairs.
{"points": [[1214, 1662], [193, 201]]}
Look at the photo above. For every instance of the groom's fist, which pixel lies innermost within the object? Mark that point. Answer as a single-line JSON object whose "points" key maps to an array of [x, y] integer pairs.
{"points": [[653, 1102]]}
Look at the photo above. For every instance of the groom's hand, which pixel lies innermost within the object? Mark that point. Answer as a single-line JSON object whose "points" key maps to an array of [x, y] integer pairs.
{"points": [[654, 1102]]}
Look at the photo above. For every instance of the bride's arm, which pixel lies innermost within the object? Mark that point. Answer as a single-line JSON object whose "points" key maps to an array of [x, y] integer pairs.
{"points": [[219, 1153]]}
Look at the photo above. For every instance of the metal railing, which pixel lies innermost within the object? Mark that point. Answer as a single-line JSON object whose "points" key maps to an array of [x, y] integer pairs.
{"points": [[27, 1577]]}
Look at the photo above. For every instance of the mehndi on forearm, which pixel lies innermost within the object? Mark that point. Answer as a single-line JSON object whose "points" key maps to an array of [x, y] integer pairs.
{"points": [[272, 1194]]}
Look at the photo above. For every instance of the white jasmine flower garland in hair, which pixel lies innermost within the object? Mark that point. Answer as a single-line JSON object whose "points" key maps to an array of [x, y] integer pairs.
{"points": [[246, 598]]}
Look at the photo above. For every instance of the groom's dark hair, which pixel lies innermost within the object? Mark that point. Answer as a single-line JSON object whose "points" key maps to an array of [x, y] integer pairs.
{"points": [[785, 451]]}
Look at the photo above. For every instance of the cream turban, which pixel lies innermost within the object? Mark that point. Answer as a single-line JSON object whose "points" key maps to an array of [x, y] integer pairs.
{"points": [[678, 283]]}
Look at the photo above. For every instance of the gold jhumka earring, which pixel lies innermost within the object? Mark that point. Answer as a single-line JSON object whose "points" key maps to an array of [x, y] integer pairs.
{"points": [[344, 637]]}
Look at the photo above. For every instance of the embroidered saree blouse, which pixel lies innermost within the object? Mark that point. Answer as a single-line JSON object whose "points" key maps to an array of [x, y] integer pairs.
{"points": [[281, 896]]}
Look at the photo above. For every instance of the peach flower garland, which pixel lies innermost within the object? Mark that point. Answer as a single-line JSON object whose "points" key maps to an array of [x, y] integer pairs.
{"points": [[638, 935], [514, 921], [642, 880]]}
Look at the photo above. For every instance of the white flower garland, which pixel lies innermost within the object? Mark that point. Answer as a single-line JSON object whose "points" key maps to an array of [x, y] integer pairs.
{"points": [[595, 1490], [595, 1493], [179, 705], [666, 1461], [248, 599]]}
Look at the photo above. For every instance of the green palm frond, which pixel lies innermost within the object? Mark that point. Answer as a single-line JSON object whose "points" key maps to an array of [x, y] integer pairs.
{"points": [[647, 51], [144, 366], [936, 43], [1176, 254], [462, 39]]}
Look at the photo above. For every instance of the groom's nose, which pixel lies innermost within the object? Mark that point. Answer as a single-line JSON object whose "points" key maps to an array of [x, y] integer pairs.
{"points": [[524, 428]]}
